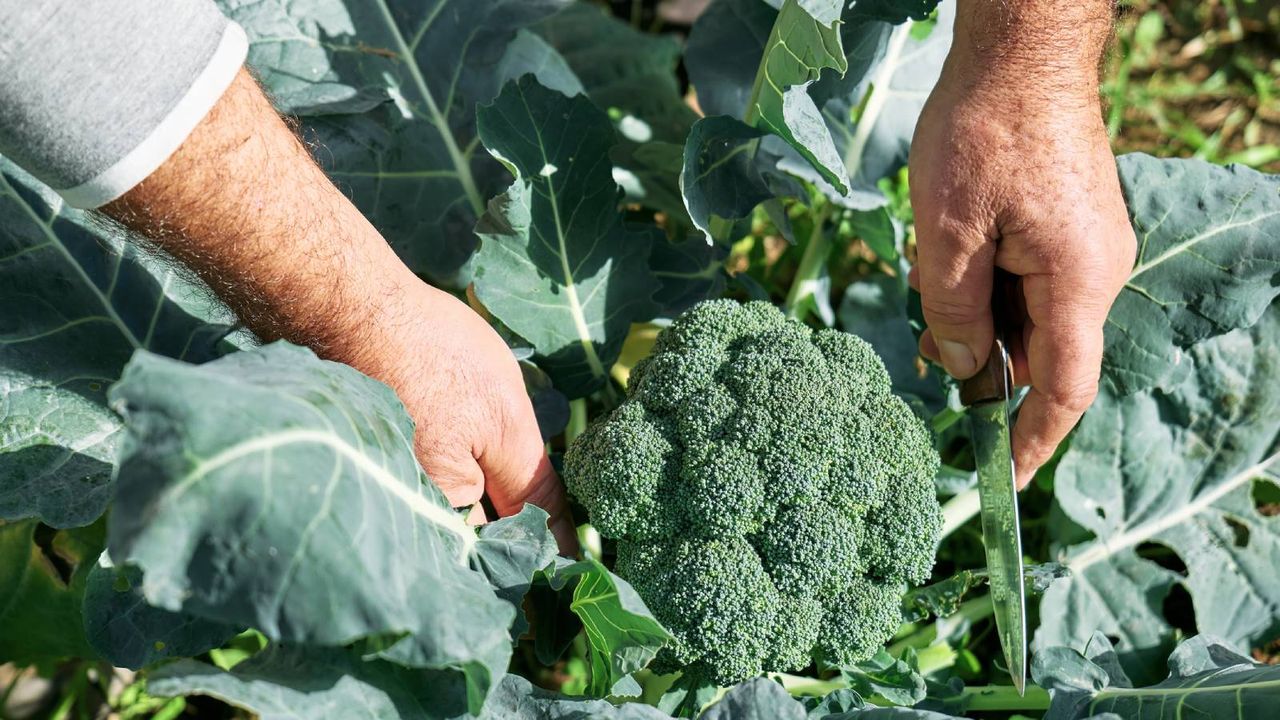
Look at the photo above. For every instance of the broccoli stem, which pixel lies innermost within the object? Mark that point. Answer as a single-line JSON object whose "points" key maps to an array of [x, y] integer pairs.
{"points": [[994, 698], [577, 420], [959, 510], [935, 657], [973, 610], [985, 698], [812, 263]]}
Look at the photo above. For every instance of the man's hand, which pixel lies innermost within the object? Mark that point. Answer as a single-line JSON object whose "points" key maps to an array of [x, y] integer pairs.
{"points": [[477, 433], [242, 203], [1011, 168]]}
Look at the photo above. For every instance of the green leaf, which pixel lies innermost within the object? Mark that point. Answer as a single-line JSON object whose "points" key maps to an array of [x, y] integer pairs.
{"points": [[75, 303], [1174, 467], [886, 676], [758, 699], [687, 696], [690, 272], [805, 40], [510, 551], [304, 684], [724, 51], [294, 683], [530, 54], [875, 309], [1206, 679], [1208, 263], [632, 76], [720, 178], [872, 111], [409, 162], [281, 492], [621, 632], [556, 264], [129, 633], [41, 584]]}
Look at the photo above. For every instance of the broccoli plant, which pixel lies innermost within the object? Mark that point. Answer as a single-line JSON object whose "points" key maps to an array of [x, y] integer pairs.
{"points": [[770, 496]]}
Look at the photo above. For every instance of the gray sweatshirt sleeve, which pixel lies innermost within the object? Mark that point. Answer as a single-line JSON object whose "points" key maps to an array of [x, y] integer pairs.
{"points": [[97, 94]]}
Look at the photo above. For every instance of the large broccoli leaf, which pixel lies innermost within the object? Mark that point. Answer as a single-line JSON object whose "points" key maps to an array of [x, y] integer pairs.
{"points": [[281, 492], [1174, 464], [75, 302], [631, 75], [128, 632], [1208, 262], [302, 684], [1206, 679], [389, 89], [556, 264], [1175, 467], [872, 111]]}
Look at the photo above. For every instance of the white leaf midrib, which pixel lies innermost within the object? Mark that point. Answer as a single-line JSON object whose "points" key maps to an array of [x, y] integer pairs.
{"points": [[443, 517], [1102, 549]]}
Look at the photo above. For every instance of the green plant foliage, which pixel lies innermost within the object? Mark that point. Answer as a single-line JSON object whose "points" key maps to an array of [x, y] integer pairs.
{"points": [[623, 636], [1204, 267], [392, 99], [1174, 464], [76, 304], [1206, 679], [720, 177], [1174, 467], [129, 633], [630, 75], [42, 587], [556, 264], [308, 518]]}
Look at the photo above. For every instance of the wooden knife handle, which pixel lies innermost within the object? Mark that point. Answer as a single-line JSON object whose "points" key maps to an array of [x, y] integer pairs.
{"points": [[995, 380]]}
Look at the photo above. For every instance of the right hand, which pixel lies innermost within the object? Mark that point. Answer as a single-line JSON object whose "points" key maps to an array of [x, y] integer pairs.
{"points": [[1018, 176]]}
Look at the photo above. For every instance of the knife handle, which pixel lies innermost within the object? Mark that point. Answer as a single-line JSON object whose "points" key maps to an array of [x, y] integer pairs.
{"points": [[995, 380]]}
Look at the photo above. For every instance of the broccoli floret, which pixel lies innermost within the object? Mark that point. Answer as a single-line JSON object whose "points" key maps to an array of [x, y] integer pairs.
{"points": [[770, 497]]}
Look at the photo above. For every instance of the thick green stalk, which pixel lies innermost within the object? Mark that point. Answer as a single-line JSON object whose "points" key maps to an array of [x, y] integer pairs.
{"points": [[812, 263], [973, 610], [1003, 698], [959, 510], [577, 420]]}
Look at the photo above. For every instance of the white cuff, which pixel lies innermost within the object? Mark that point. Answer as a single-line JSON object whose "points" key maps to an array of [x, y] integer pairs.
{"points": [[169, 135]]}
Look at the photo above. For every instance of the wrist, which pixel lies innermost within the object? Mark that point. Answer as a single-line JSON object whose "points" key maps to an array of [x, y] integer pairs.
{"points": [[1046, 51]]}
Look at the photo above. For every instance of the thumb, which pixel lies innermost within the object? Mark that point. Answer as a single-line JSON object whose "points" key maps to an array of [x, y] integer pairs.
{"points": [[955, 266], [517, 471]]}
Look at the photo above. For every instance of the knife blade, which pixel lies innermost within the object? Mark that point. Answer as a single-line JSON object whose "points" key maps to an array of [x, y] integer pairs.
{"points": [[988, 396]]}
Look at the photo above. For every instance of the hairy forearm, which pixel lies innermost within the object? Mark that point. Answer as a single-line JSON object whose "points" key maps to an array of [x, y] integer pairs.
{"points": [[244, 205], [1041, 46]]}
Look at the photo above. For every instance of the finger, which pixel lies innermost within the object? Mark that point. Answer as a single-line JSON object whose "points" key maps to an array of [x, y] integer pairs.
{"points": [[518, 471], [955, 264], [929, 347], [476, 515], [1018, 353], [460, 478], [1064, 357]]}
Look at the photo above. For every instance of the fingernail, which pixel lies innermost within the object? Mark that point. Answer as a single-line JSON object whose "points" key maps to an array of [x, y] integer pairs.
{"points": [[956, 358]]}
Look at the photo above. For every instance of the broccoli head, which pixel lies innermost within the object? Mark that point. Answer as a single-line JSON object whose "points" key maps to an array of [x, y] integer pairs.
{"points": [[770, 497]]}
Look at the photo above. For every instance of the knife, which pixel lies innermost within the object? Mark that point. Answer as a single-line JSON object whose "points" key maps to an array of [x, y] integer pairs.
{"points": [[989, 398]]}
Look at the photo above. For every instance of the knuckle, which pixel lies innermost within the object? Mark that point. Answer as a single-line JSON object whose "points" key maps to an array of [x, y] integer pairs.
{"points": [[1074, 396], [951, 311]]}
